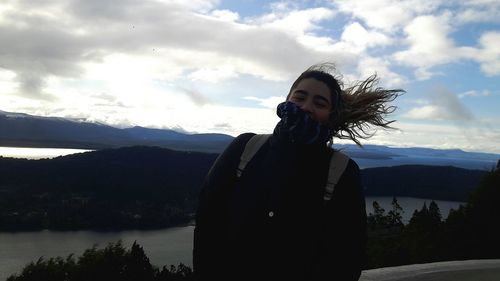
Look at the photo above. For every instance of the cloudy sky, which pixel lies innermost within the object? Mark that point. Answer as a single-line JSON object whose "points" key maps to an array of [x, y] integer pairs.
{"points": [[223, 66]]}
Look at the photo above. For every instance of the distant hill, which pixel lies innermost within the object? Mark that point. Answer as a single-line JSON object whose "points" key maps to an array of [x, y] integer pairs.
{"points": [[434, 182], [130, 187], [150, 187], [370, 156], [19, 129]]}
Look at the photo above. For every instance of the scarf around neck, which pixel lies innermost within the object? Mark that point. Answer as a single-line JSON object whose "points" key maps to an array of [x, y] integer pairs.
{"points": [[297, 126]]}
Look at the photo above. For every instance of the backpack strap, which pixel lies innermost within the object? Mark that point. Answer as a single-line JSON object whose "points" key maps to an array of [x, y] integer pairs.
{"points": [[251, 148], [338, 163]]}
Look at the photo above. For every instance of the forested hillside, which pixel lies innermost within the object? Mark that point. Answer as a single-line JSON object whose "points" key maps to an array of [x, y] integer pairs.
{"points": [[152, 187], [133, 187], [434, 182]]}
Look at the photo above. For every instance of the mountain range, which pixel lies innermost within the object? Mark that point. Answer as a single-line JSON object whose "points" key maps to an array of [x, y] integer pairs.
{"points": [[19, 129], [24, 130]]}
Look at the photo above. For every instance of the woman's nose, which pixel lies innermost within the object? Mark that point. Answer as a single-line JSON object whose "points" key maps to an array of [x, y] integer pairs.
{"points": [[306, 106]]}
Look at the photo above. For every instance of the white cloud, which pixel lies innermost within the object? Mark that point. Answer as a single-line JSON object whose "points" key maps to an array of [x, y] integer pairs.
{"points": [[429, 112], [487, 15], [489, 53], [387, 15], [196, 97], [360, 38], [369, 65], [196, 5], [473, 93], [225, 15], [478, 11], [6, 81], [167, 32], [443, 105], [489, 3], [213, 75], [296, 22], [423, 73], [442, 136], [428, 27], [429, 44], [270, 102]]}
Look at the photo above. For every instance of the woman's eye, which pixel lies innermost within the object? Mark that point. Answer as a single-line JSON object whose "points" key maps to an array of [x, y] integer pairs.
{"points": [[297, 98], [321, 105]]}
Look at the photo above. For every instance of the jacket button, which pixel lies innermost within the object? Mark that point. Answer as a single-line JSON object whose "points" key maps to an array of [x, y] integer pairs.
{"points": [[271, 214]]}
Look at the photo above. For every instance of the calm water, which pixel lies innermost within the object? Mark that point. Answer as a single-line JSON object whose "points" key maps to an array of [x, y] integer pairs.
{"points": [[163, 247], [36, 153], [410, 204], [166, 246]]}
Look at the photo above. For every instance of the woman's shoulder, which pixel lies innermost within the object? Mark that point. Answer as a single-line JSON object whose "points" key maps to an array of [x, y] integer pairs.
{"points": [[238, 143], [244, 136], [350, 163], [352, 170], [242, 139]]}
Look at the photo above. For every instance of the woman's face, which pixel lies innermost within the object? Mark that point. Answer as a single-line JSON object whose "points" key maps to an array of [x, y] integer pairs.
{"points": [[313, 96]]}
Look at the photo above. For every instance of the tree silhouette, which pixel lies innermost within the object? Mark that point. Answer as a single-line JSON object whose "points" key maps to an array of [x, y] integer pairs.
{"points": [[423, 235], [482, 213], [395, 215], [114, 262]]}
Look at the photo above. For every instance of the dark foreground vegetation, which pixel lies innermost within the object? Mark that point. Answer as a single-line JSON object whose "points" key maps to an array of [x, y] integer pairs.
{"points": [[152, 187], [114, 262], [471, 232]]}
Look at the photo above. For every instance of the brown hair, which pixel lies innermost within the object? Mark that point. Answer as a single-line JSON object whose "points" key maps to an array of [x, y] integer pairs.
{"points": [[356, 109]]}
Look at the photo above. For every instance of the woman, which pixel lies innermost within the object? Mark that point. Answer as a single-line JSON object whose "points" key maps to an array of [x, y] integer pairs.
{"points": [[272, 222]]}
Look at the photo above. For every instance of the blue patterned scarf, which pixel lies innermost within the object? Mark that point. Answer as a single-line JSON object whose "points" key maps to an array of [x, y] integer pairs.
{"points": [[297, 126]]}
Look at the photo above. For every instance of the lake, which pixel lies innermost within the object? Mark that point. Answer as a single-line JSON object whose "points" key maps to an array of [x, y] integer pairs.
{"points": [[37, 153], [163, 247]]}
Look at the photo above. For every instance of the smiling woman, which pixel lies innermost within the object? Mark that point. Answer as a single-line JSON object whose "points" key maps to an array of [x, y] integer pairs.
{"points": [[271, 203]]}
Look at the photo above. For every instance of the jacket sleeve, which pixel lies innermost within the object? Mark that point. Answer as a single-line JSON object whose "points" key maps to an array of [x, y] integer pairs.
{"points": [[209, 248], [344, 242]]}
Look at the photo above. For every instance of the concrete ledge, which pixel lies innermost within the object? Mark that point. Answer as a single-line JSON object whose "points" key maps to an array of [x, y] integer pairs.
{"points": [[469, 270]]}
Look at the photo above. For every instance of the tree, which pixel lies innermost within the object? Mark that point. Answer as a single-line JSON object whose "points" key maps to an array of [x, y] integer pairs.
{"points": [[384, 237], [459, 242], [482, 213], [378, 219], [137, 266], [53, 269], [114, 262], [395, 216], [423, 236]]}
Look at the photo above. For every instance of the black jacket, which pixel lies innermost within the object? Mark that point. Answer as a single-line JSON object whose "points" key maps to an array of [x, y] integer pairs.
{"points": [[272, 222]]}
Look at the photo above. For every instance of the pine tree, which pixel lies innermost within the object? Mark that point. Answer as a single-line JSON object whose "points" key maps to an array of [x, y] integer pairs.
{"points": [[482, 214], [424, 234], [395, 215]]}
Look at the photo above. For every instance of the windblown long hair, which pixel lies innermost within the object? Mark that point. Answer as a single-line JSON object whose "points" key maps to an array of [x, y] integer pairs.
{"points": [[357, 111]]}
